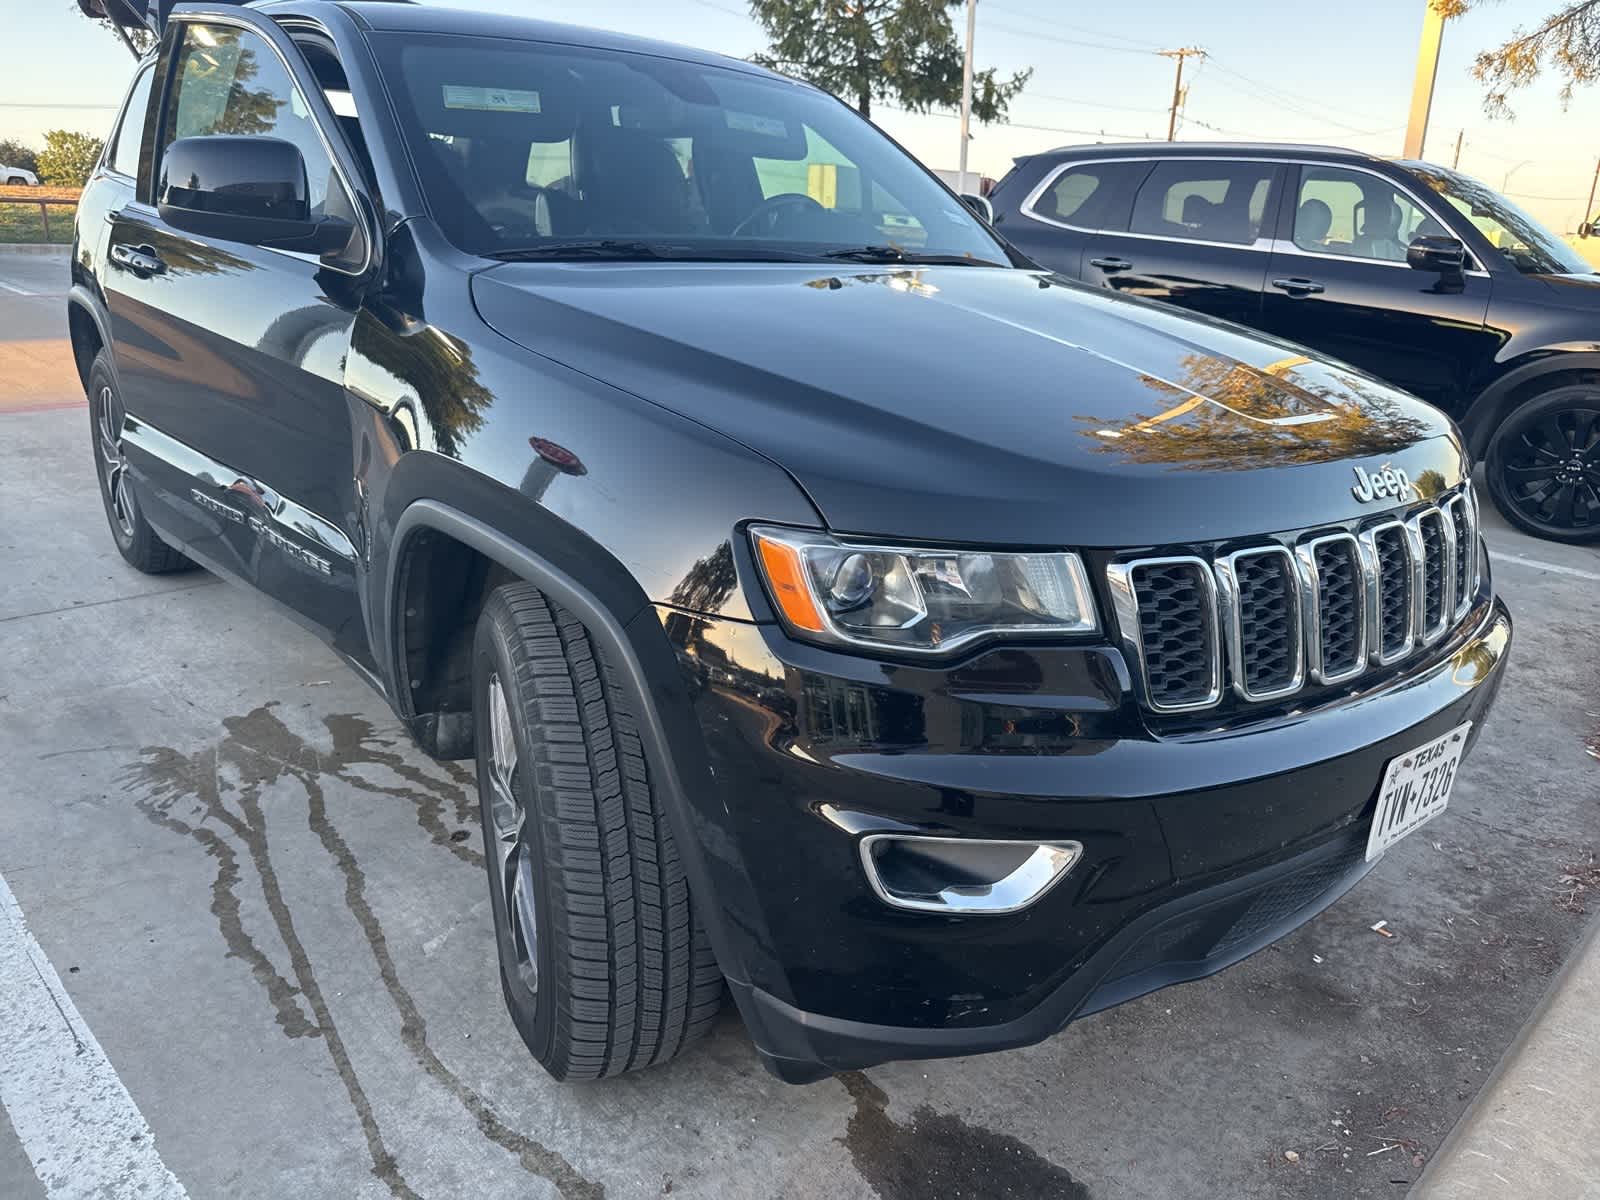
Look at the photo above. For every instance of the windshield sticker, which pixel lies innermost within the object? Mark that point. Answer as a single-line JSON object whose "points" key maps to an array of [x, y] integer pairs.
{"points": [[487, 99], [752, 123]]}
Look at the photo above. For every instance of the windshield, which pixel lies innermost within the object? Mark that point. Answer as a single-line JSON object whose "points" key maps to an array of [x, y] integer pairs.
{"points": [[1531, 248], [545, 150]]}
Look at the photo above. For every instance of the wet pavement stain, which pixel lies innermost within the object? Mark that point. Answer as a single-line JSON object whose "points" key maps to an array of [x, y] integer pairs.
{"points": [[938, 1154], [258, 750]]}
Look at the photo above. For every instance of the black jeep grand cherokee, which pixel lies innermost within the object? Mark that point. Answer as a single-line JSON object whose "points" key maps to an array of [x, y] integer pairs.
{"points": [[930, 648]]}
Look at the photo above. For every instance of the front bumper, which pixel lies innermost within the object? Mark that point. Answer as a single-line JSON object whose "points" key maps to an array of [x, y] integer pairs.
{"points": [[1200, 845]]}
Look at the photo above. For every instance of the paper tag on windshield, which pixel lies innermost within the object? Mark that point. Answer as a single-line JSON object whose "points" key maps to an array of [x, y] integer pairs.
{"points": [[486, 99], [752, 123]]}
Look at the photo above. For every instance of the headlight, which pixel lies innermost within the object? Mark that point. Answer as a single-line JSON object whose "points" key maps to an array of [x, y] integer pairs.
{"points": [[916, 600]]}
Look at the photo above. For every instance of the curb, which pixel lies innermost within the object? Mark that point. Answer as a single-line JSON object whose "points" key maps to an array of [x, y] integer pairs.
{"points": [[34, 247], [1534, 1127]]}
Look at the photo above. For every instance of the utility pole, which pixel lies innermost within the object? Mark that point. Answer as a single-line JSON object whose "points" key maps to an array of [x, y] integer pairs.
{"points": [[1456, 161], [1422, 88], [966, 95], [1177, 86]]}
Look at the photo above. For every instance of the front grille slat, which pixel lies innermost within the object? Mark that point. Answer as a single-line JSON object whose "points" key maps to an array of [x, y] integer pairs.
{"points": [[1394, 601], [1177, 631], [1339, 621], [1269, 617], [1263, 622]]}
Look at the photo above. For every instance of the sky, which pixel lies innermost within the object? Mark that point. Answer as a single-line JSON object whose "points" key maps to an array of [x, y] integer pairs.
{"points": [[1277, 70]]}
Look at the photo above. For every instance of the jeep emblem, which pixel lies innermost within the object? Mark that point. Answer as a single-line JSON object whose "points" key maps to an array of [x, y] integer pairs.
{"points": [[1387, 484]]}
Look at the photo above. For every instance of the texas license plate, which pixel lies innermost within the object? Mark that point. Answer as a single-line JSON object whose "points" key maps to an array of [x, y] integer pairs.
{"points": [[1416, 789]]}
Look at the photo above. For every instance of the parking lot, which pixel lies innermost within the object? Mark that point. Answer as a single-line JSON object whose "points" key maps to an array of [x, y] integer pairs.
{"points": [[268, 914]]}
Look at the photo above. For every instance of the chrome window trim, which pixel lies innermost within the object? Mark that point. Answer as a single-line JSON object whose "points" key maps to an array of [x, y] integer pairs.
{"points": [[1228, 595], [1261, 244], [1369, 547], [367, 233], [1311, 573], [1125, 603]]}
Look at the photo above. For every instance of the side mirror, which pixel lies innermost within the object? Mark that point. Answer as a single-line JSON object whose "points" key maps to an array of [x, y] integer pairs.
{"points": [[1444, 255], [244, 189], [981, 206]]}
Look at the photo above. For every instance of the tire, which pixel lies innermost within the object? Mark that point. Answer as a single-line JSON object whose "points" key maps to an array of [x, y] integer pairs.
{"points": [[618, 974], [1543, 465], [137, 541], [16, 181]]}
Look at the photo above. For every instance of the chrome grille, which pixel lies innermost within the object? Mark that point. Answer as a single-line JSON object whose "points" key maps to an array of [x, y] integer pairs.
{"points": [[1337, 628], [1261, 613], [1267, 618], [1393, 591], [1174, 614]]}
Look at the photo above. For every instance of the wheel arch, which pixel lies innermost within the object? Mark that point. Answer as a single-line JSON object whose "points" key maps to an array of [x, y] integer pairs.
{"points": [[633, 640], [1552, 367], [86, 327]]}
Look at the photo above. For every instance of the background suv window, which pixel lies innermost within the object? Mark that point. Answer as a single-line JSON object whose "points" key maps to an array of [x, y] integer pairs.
{"points": [[1094, 196], [128, 139], [229, 81], [1205, 200], [1355, 214]]}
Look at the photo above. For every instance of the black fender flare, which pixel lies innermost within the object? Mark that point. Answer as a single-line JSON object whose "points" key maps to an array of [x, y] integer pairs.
{"points": [[637, 646], [81, 296], [1494, 403]]}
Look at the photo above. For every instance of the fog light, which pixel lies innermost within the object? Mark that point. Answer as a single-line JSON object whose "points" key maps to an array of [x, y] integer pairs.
{"points": [[963, 876]]}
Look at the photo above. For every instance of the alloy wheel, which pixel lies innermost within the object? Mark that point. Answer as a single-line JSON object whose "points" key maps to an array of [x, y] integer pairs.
{"points": [[508, 817], [1551, 469], [113, 462]]}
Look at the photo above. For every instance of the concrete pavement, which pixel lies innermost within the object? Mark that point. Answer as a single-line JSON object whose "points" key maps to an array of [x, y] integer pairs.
{"points": [[270, 911]]}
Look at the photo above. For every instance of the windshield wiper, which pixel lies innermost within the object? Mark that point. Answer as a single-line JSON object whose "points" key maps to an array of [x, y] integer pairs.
{"points": [[893, 254], [600, 248]]}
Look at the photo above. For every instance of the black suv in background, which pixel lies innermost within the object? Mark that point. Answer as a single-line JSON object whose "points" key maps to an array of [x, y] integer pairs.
{"points": [[610, 406], [1418, 274]]}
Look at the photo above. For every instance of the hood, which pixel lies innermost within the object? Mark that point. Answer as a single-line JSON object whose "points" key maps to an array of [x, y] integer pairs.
{"points": [[983, 405]]}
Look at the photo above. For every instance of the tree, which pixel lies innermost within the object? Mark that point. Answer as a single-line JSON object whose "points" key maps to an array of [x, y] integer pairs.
{"points": [[15, 154], [68, 158], [141, 39], [886, 50], [1567, 41]]}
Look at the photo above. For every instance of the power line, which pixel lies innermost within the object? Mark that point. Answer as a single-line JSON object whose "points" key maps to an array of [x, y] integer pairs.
{"points": [[1053, 23], [1276, 95], [1064, 41], [721, 8]]}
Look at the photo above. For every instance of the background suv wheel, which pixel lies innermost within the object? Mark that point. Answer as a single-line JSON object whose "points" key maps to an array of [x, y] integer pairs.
{"points": [[1544, 465], [604, 966], [138, 542]]}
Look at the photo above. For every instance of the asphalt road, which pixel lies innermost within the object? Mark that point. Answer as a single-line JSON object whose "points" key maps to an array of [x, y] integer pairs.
{"points": [[250, 935]]}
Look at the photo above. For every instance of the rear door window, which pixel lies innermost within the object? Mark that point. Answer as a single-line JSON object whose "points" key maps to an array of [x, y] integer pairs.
{"points": [[1096, 196], [128, 139], [1206, 200]]}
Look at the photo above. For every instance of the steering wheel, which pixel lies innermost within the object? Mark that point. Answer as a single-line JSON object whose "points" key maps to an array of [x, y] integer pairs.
{"points": [[770, 208]]}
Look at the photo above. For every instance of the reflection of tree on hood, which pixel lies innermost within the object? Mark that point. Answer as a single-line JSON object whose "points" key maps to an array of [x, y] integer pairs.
{"points": [[1228, 416]]}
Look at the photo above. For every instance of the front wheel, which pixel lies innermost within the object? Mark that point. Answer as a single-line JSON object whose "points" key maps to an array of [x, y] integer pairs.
{"points": [[1544, 465], [603, 964]]}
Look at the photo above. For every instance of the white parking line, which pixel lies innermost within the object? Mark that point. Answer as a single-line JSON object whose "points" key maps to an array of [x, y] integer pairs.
{"points": [[75, 1120], [1553, 568], [11, 287]]}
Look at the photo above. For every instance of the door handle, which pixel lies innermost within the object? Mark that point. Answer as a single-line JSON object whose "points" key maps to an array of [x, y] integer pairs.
{"points": [[141, 260], [1297, 286], [1108, 265]]}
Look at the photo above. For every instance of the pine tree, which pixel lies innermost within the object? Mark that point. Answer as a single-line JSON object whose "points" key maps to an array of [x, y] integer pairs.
{"points": [[894, 51]]}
